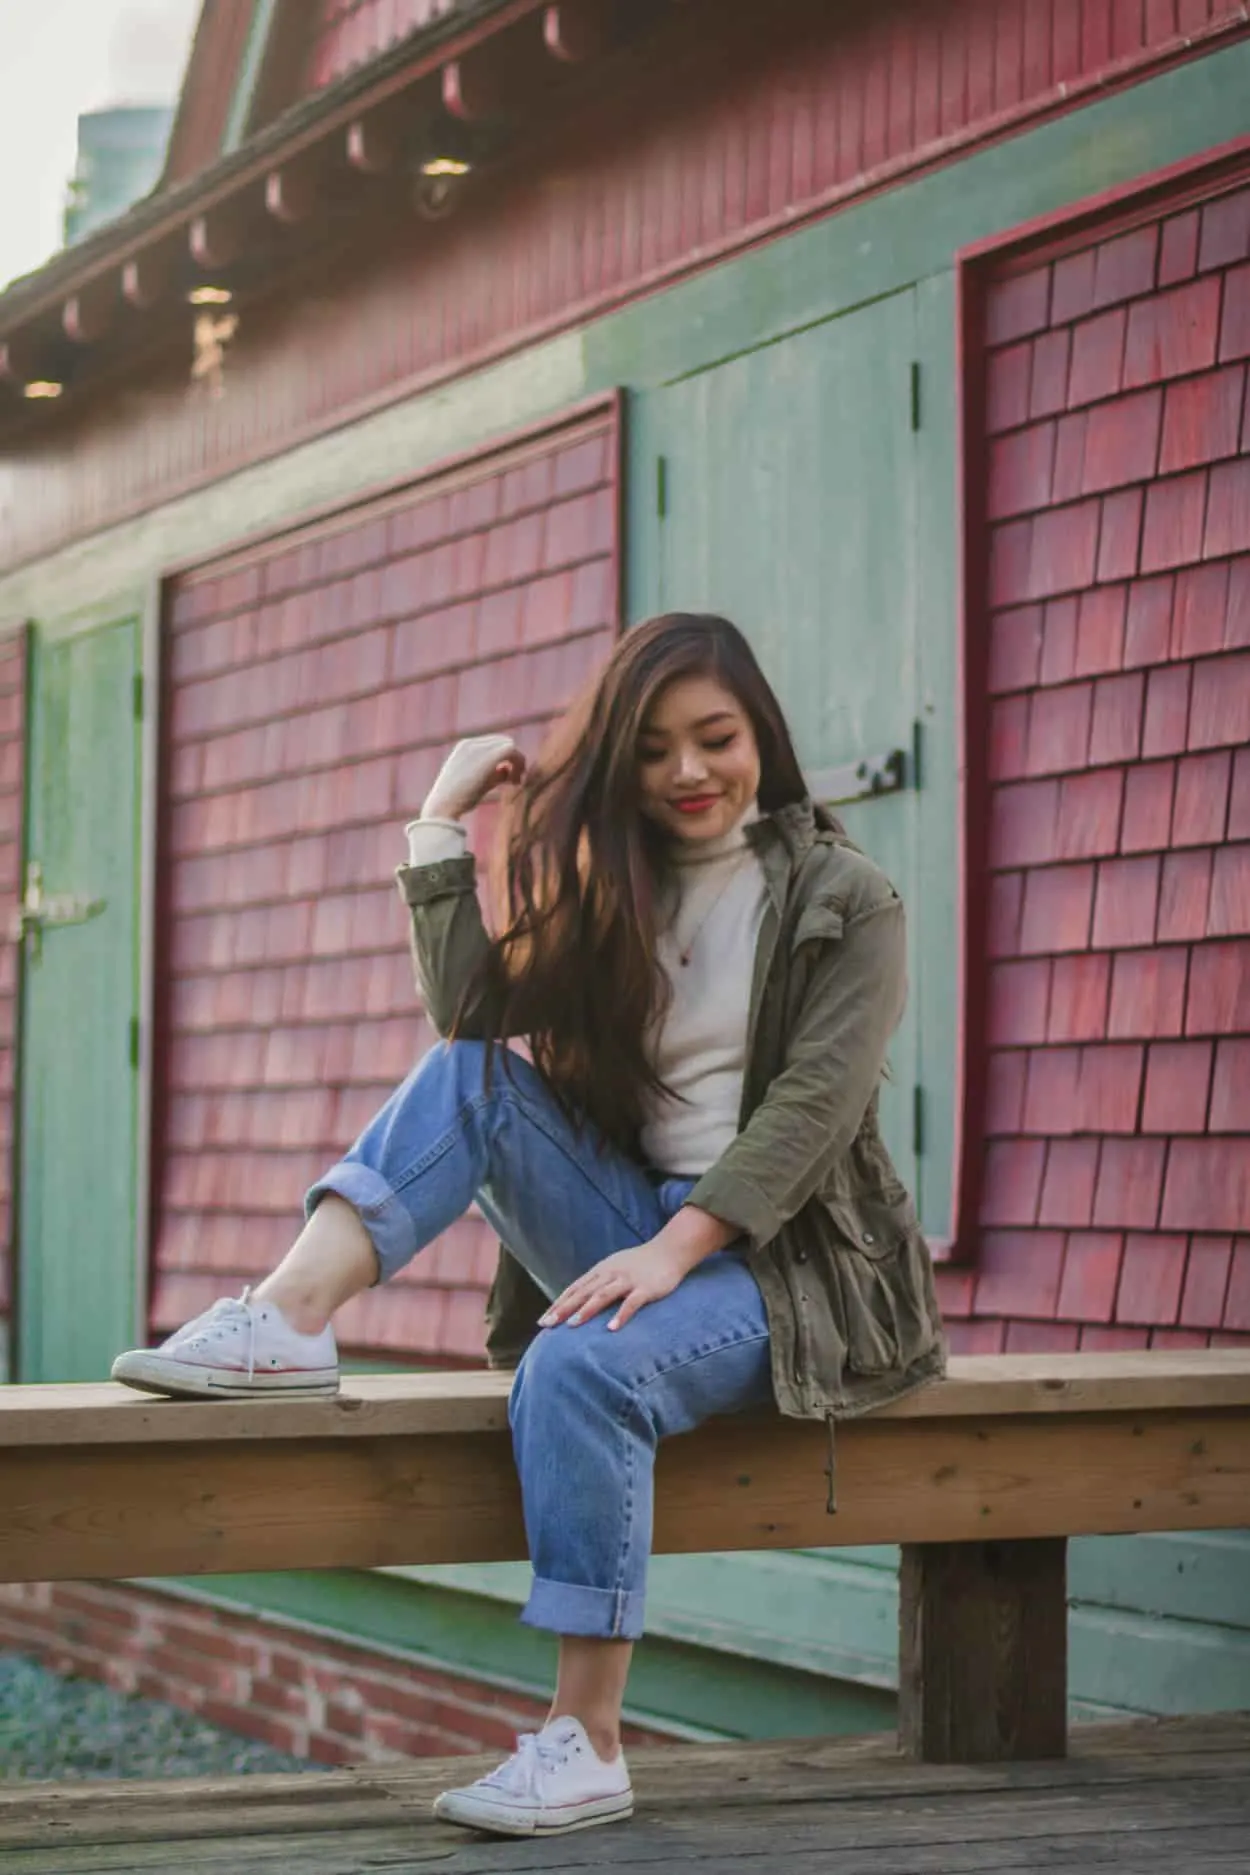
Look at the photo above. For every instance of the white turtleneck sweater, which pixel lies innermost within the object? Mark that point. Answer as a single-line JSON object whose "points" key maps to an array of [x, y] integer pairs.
{"points": [[713, 915]]}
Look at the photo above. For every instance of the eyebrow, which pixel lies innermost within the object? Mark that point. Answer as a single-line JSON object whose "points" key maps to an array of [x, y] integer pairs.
{"points": [[704, 722]]}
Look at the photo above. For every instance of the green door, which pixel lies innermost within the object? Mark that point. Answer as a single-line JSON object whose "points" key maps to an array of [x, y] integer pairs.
{"points": [[76, 1268], [787, 498]]}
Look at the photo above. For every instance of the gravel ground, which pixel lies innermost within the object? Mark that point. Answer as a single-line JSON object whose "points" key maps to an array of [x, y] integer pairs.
{"points": [[52, 1727]]}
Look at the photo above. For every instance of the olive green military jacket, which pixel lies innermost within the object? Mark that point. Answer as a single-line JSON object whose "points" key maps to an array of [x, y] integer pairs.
{"points": [[832, 1236]]}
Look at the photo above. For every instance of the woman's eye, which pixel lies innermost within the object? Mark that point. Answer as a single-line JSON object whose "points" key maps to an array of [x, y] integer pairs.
{"points": [[650, 756], [721, 742]]}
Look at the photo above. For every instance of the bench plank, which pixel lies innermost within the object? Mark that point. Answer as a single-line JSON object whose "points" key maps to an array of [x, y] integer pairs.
{"points": [[369, 1405]]}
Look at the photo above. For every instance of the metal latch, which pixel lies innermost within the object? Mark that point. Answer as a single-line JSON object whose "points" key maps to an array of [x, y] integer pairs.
{"points": [[40, 910], [859, 781]]}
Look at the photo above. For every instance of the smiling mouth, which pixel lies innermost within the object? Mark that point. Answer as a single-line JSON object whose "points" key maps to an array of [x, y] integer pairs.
{"points": [[696, 803]]}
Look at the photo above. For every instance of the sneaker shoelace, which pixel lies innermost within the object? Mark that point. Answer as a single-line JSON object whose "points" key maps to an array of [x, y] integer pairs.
{"points": [[523, 1773], [222, 1322]]}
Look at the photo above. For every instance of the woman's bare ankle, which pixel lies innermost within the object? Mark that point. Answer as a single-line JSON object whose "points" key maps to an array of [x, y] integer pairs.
{"points": [[303, 1312]]}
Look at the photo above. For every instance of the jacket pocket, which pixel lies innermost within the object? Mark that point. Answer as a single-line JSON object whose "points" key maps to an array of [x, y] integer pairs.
{"points": [[873, 1227], [817, 921]]}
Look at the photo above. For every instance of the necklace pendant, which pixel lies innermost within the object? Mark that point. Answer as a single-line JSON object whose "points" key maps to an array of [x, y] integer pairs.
{"points": [[683, 958]]}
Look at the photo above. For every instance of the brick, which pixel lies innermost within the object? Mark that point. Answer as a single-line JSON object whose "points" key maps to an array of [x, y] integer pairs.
{"points": [[1150, 1279], [1178, 248], [1007, 387], [1108, 1091], [1206, 1282], [1122, 442], [1048, 386], [1235, 324], [1010, 550], [1022, 824], [1013, 1181], [1009, 737], [1097, 365], [979, 1337], [1091, 1274], [1228, 509], [1050, 1102], [1177, 1338], [1178, 1083], [1087, 823], [1228, 914], [1237, 617], [1126, 902], [1148, 621], [1119, 539], [1018, 995], [1148, 993], [1003, 921], [1056, 911], [1225, 236], [1018, 305], [1201, 810], [1114, 1340], [1172, 334], [1019, 1272], [1147, 818], [1125, 265], [1237, 1301], [1059, 729], [1173, 523], [1019, 471], [1068, 1182], [1004, 1091], [1166, 724], [1199, 610], [1100, 630], [1208, 1185], [1201, 420], [1239, 797], [1130, 1178], [1078, 999], [1220, 711], [1116, 722], [1058, 663], [1015, 649], [1230, 1093]]}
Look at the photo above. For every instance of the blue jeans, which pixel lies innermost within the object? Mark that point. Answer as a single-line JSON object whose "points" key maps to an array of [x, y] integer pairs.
{"points": [[588, 1406]]}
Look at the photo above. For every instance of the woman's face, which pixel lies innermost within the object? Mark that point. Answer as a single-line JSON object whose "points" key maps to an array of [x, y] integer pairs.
{"points": [[698, 760]]}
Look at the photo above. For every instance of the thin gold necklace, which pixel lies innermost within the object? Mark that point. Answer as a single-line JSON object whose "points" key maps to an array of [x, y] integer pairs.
{"points": [[686, 950]]}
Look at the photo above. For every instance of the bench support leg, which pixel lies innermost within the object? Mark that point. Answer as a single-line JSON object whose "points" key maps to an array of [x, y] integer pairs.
{"points": [[983, 1651]]}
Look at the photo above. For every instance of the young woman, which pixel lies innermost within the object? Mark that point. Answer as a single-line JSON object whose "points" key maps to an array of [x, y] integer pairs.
{"points": [[698, 1213]]}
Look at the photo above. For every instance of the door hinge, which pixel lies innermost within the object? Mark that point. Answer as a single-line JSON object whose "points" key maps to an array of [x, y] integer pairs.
{"points": [[915, 393], [134, 1041], [661, 486], [138, 696], [917, 753], [917, 1120]]}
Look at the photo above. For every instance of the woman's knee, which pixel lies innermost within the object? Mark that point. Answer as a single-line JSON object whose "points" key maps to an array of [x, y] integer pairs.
{"points": [[566, 1369]]}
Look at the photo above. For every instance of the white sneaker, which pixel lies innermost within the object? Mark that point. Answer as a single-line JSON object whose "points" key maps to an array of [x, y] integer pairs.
{"points": [[554, 1782], [238, 1349]]}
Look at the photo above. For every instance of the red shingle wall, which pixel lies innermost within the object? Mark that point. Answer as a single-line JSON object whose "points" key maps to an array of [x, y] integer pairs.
{"points": [[314, 689], [687, 154], [12, 763], [1116, 1203], [350, 31]]}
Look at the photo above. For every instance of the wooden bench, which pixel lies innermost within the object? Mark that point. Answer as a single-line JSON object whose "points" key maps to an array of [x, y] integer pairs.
{"points": [[981, 1478]]}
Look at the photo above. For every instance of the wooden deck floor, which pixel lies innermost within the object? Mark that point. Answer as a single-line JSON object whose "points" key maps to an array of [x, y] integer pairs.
{"points": [[1166, 1798]]}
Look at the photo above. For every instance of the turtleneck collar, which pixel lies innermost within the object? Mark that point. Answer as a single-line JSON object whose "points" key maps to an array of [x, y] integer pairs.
{"points": [[705, 852]]}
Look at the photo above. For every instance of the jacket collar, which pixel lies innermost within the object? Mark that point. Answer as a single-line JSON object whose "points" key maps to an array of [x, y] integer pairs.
{"points": [[780, 839]]}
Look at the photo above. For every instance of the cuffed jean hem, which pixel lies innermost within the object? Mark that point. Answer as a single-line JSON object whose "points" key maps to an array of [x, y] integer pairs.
{"points": [[597, 1614], [389, 1225]]}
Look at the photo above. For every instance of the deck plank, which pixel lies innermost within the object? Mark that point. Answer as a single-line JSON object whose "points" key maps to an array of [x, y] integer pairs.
{"points": [[1131, 1800]]}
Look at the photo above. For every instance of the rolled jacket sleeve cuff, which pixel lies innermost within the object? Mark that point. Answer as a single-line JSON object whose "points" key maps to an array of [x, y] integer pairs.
{"points": [[445, 878], [432, 840], [735, 1200]]}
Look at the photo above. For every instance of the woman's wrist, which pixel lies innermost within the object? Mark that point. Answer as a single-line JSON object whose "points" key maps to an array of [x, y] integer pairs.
{"points": [[696, 1235]]}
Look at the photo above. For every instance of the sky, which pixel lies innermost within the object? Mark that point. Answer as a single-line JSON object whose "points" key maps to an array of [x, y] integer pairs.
{"points": [[61, 57]]}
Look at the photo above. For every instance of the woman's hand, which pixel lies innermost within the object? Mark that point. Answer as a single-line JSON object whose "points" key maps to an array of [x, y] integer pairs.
{"points": [[471, 771], [629, 1279]]}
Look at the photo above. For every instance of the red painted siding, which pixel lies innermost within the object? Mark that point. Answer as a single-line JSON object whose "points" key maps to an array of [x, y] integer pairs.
{"points": [[1117, 1174], [13, 645], [803, 104], [314, 688], [348, 32]]}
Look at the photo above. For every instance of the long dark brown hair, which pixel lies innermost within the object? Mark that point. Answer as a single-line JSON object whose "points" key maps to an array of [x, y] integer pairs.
{"points": [[580, 866]]}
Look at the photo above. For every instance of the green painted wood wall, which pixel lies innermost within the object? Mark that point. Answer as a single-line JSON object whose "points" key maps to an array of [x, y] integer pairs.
{"points": [[1161, 1624]]}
